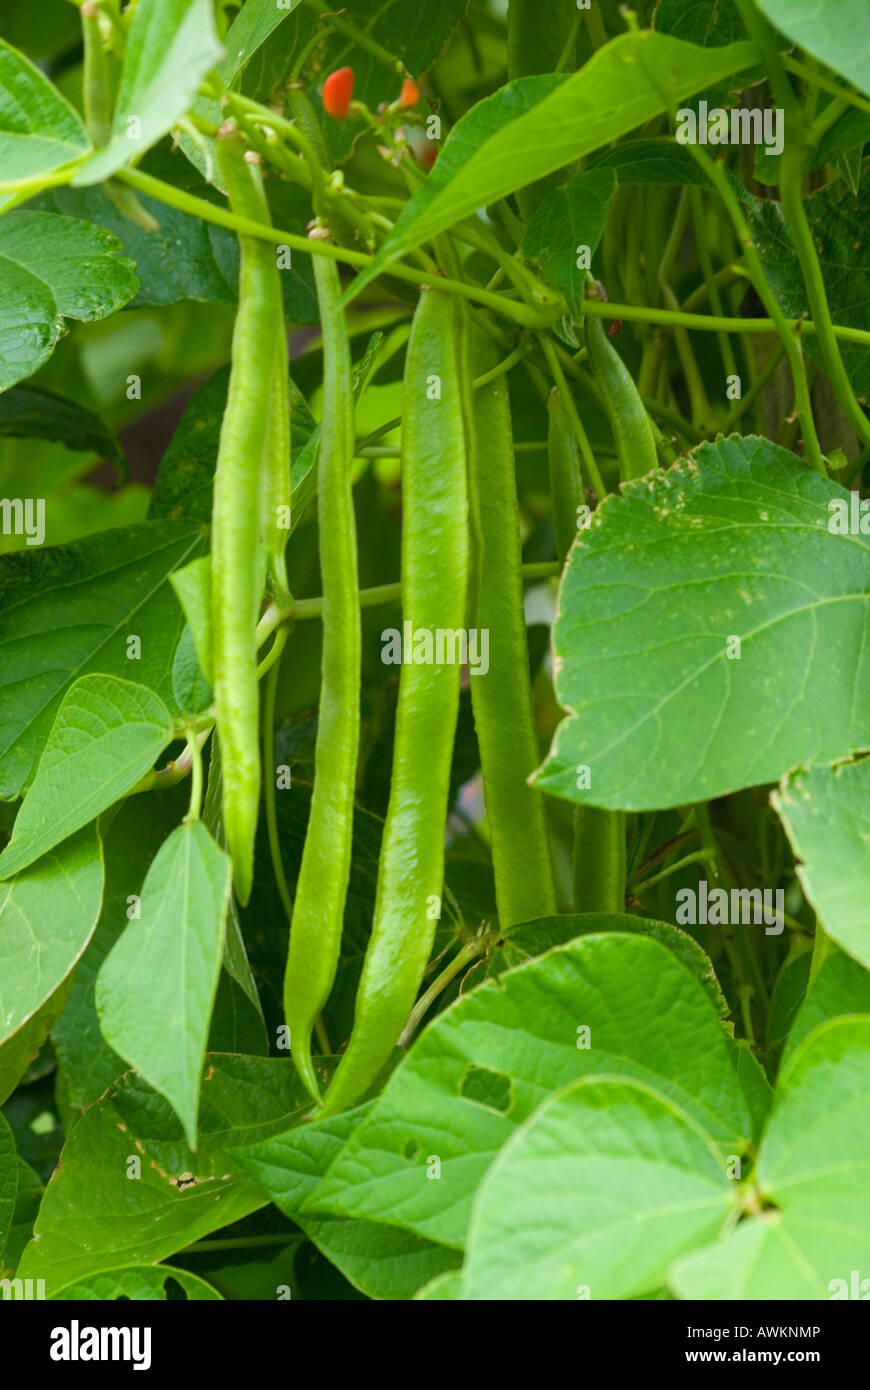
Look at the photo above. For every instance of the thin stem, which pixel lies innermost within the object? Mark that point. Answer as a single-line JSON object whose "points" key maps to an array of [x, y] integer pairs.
{"points": [[712, 323], [803, 406], [755, 389], [844, 94], [464, 957], [699, 856], [589, 461], [525, 314], [195, 780], [713, 295], [360, 37], [501, 369], [791, 192]]}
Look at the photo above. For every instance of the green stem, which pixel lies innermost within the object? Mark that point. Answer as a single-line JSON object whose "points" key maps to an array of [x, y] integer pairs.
{"points": [[699, 856], [464, 957], [195, 749], [791, 192], [599, 860], [755, 389], [358, 36], [589, 462], [842, 93], [803, 406], [706, 262], [713, 323], [525, 314]]}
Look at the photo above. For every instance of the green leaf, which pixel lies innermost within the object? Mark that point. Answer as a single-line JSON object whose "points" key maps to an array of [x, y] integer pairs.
{"points": [[107, 734], [190, 687], [659, 160], [27, 1203], [47, 916], [26, 412], [139, 1283], [444, 1288], [184, 482], [178, 941], [8, 1183], [485, 1063], [837, 32], [171, 46], [94, 1217], [539, 124], [530, 939], [382, 1261], [192, 586], [707, 22], [572, 216], [814, 1174], [132, 840], [18, 1052], [70, 610], [841, 986], [39, 130], [731, 543], [53, 268], [838, 222], [826, 814], [602, 1187]]}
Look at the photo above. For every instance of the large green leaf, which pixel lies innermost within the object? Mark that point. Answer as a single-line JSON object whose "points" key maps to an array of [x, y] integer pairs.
{"points": [[539, 124], [485, 1063], [178, 941], [171, 46], [47, 915], [53, 268], [814, 1177], [107, 734], [97, 1215], [382, 1261], [732, 542], [23, 1047], [601, 1189], [837, 32], [26, 1206], [39, 130], [826, 813], [72, 609]]}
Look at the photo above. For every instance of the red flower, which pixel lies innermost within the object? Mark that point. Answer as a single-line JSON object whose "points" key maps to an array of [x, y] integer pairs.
{"points": [[337, 92], [410, 93]]}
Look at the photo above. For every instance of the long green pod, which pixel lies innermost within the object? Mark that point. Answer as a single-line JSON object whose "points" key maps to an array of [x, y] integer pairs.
{"points": [[321, 889], [599, 835], [435, 560], [237, 557], [276, 491], [566, 478], [632, 431], [599, 860], [501, 694]]}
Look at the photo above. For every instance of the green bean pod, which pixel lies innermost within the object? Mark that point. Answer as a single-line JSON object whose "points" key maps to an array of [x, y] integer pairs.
{"points": [[435, 560], [566, 479], [632, 431], [501, 696], [318, 913], [276, 491], [599, 860], [237, 557]]}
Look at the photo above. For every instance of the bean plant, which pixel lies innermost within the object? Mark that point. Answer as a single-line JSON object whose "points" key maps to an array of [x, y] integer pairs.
{"points": [[434, 671]]}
